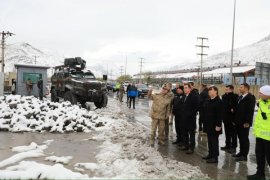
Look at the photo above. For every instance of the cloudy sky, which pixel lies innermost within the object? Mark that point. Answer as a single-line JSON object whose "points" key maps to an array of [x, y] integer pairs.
{"points": [[161, 31]]}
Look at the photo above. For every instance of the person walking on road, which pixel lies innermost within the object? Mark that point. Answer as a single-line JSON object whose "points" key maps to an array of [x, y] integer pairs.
{"points": [[132, 94], [127, 93], [189, 112], [160, 111], [261, 131], [243, 120], [213, 123], [230, 100], [177, 108], [121, 92], [203, 97]]}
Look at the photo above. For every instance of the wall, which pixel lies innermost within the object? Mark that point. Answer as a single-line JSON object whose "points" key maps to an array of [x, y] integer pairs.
{"points": [[21, 86]]}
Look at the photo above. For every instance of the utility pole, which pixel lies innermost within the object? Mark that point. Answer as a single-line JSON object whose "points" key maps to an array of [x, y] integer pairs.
{"points": [[4, 36], [231, 69], [126, 67], [111, 75], [202, 54], [121, 70], [141, 65]]}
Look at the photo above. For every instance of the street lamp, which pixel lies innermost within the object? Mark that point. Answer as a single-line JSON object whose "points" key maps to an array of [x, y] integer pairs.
{"points": [[231, 69]]}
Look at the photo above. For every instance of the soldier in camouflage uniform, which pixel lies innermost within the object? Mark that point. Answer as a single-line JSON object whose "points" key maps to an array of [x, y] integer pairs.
{"points": [[160, 111], [170, 95]]}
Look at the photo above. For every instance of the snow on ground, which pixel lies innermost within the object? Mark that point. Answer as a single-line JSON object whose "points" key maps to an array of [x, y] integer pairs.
{"points": [[34, 170], [31, 151], [29, 114], [62, 159], [125, 152]]}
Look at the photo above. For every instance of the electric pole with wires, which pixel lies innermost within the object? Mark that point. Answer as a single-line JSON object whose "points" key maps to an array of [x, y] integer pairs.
{"points": [[141, 65], [202, 54], [4, 36]]}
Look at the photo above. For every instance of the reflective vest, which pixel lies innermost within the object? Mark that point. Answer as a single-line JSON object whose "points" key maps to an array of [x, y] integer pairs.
{"points": [[261, 127]]}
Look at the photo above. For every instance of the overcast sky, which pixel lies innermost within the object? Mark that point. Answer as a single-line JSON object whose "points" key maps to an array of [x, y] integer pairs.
{"points": [[161, 31]]}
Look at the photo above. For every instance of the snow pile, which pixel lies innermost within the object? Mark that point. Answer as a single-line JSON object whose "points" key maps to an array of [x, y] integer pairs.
{"points": [[126, 153], [29, 114], [34, 170], [62, 160], [31, 151]]}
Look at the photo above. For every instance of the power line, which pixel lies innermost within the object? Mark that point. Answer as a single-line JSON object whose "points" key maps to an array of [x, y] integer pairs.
{"points": [[4, 36], [121, 70], [202, 54], [141, 65]]}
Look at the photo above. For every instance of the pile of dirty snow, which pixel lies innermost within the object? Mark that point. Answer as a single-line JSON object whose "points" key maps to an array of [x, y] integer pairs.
{"points": [[29, 114], [126, 153]]}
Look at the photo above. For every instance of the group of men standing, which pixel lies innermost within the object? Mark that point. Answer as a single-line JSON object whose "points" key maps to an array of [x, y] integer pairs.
{"points": [[233, 110]]}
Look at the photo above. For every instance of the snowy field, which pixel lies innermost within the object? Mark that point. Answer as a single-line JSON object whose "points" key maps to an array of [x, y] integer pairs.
{"points": [[123, 147]]}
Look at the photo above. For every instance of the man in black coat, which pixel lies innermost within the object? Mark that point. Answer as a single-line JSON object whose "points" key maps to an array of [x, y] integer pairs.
{"points": [[203, 97], [188, 116], [213, 123], [177, 108], [243, 120], [230, 100]]}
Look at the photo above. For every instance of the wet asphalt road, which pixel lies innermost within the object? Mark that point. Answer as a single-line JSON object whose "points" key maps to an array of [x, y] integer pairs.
{"points": [[227, 167]]}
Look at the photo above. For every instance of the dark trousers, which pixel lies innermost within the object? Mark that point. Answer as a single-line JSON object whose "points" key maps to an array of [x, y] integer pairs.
{"points": [[242, 134], [213, 145], [189, 138], [178, 129], [132, 99], [262, 151], [201, 121], [127, 98], [231, 135]]}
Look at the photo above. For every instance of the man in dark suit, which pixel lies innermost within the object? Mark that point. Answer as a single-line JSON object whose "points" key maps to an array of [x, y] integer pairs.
{"points": [[188, 117], [203, 97], [214, 116], [230, 101], [243, 120]]}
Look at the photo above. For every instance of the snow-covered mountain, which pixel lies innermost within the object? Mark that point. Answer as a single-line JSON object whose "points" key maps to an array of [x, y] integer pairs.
{"points": [[24, 53]]}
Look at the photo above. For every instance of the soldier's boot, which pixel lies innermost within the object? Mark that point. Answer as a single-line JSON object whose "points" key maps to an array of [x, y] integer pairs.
{"points": [[162, 143], [152, 142]]}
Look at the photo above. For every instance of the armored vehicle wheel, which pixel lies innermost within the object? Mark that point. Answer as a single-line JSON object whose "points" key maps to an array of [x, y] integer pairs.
{"points": [[103, 102], [68, 96]]}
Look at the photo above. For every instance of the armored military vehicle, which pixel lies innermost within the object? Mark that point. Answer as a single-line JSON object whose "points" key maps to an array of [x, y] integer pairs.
{"points": [[75, 84]]}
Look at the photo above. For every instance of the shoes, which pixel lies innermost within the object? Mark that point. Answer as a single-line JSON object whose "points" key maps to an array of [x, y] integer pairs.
{"points": [[190, 151], [207, 157], [241, 158], [236, 155], [180, 144], [212, 160], [256, 177], [175, 142], [183, 148], [225, 148], [231, 150]]}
